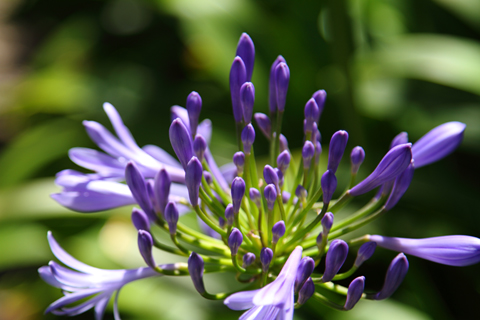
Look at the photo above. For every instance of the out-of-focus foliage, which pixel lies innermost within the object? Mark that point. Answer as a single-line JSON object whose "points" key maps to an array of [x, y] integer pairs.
{"points": [[387, 65]]}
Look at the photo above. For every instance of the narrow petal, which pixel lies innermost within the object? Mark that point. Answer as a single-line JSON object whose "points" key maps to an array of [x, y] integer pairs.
{"points": [[241, 300], [122, 131], [96, 161], [161, 155]]}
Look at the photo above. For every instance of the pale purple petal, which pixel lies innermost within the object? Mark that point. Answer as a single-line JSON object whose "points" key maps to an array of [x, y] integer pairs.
{"points": [[96, 161], [161, 155], [241, 300], [120, 129]]}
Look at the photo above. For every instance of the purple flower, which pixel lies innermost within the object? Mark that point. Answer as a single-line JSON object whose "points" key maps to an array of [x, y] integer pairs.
{"points": [[278, 230], [255, 196], [283, 160], [329, 184], [194, 106], [272, 87], [275, 300], [311, 114], [270, 175], [248, 138], [145, 245], [364, 253], [199, 146], [181, 142], [140, 220], [282, 78], [229, 214], [337, 147], [171, 217], [355, 292], [235, 240], [264, 123], [246, 51], [393, 163], [237, 192], [195, 268], [304, 271], [238, 77], [306, 292], [161, 189], [308, 151], [402, 182], [399, 139], [356, 157], [396, 272], [320, 97], [90, 286], [270, 194], [248, 259], [266, 256], [336, 255], [327, 222], [239, 161], [247, 98], [138, 187], [449, 250], [193, 179], [438, 143]]}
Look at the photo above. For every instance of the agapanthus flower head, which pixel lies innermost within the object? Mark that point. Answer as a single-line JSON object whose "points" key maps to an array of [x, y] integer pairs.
{"points": [[438, 143]]}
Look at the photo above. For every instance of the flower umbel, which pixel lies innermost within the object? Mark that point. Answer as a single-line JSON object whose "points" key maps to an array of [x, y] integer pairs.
{"points": [[269, 228]]}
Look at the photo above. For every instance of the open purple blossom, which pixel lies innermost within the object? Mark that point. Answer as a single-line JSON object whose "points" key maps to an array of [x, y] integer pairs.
{"points": [[275, 300], [86, 282], [449, 250]]}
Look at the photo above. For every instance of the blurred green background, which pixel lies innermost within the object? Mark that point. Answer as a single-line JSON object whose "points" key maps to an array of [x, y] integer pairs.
{"points": [[387, 65]]}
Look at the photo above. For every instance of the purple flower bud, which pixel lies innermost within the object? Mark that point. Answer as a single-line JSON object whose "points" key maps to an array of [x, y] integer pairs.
{"points": [[161, 189], [336, 255], [307, 154], [255, 196], [282, 78], [399, 139], [237, 78], [194, 106], [248, 138], [393, 163], [246, 51], [304, 271], [396, 272], [280, 176], [140, 220], [171, 216], [402, 182], [364, 253], [221, 222], [311, 114], [229, 214], [449, 250], [356, 157], [278, 230], [327, 222], [270, 194], [199, 146], [283, 143], [195, 268], [235, 240], [318, 152], [301, 192], [319, 239], [286, 196], [193, 179], [145, 245], [283, 160], [138, 187], [320, 97], [272, 87], [237, 192], [306, 292], [266, 256], [182, 114], [248, 259], [239, 161], [181, 142], [336, 149], [438, 143], [247, 98], [270, 175], [264, 123], [208, 177], [329, 184], [355, 292]]}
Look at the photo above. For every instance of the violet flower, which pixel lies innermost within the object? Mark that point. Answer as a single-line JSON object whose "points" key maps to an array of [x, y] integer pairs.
{"points": [[238, 77], [338, 143], [86, 282], [275, 300], [247, 98], [272, 87], [194, 106], [246, 51], [449, 250]]}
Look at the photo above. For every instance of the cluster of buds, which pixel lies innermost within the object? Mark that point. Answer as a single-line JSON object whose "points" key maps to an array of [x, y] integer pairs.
{"points": [[274, 229]]}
